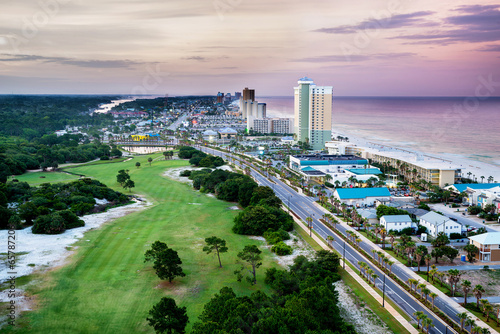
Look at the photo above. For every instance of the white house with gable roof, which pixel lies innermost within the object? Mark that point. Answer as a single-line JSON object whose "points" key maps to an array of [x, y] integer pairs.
{"points": [[436, 223], [397, 222]]}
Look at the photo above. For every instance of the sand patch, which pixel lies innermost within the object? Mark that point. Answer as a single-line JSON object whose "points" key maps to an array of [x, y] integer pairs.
{"points": [[353, 310], [234, 208], [42, 251], [299, 248]]}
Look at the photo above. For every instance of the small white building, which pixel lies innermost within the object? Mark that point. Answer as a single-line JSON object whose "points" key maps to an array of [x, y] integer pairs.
{"points": [[435, 223], [397, 222]]}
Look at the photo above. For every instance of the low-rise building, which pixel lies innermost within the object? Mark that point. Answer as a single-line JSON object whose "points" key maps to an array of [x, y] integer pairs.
{"points": [[210, 136], [361, 196], [435, 223], [489, 246], [326, 163], [397, 222]]}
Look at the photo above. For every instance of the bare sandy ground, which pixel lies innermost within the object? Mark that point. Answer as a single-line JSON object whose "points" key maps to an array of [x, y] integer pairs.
{"points": [[42, 251], [353, 310]]}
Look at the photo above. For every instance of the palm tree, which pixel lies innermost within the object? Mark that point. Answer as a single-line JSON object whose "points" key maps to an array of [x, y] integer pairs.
{"points": [[426, 292], [330, 240], [369, 273], [482, 178], [419, 253], [309, 224], [374, 251], [476, 329], [419, 315], [383, 233], [485, 331], [470, 322], [487, 309], [392, 237], [427, 322], [466, 286], [421, 286], [410, 248], [490, 179], [433, 296], [390, 263], [462, 316], [478, 293], [374, 276]]}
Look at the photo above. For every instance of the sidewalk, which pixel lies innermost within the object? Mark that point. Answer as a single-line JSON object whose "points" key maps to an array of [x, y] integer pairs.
{"points": [[413, 275], [364, 284]]}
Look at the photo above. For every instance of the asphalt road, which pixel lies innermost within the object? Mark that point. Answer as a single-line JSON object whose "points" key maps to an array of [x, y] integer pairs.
{"points": [[304, 207]]}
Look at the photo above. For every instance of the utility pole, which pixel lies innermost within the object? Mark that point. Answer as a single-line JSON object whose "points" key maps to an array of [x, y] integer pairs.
{"points": [[383, 293], [344, 255]]}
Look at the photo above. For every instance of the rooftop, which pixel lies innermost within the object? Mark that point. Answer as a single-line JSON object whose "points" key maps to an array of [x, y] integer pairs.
{"points": [[396, 218], [349, 193], [435, 218], [365, 171], [327, 157], [490, 238], [476, 186]]}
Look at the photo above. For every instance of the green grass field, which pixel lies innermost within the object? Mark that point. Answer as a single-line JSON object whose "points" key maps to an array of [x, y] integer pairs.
{"points": [[50, 177], [107, 287]]}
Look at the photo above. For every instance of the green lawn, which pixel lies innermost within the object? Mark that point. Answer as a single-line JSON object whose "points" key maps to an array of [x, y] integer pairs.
{"points": [[34, 179], [107, 287]]}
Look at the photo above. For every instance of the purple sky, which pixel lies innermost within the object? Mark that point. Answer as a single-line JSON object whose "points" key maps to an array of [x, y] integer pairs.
{"points": [[365, 48]]}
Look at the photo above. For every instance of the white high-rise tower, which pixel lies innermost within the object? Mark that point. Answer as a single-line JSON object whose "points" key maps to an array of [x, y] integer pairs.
{"points": [[313, 113]]}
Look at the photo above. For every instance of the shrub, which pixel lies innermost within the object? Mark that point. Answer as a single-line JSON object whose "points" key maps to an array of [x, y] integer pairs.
{"points": [[455, 236], [185, 173], [329, 185], [282, 249], [274, 237], [104, 157]]}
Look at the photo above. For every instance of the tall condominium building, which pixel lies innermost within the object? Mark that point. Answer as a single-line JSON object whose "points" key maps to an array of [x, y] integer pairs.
{"points": [[273, 125], [313, 113], [248, 94]]}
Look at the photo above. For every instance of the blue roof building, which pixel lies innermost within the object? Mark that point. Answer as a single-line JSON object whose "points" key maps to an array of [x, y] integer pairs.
{"points": [[361, 196], [459, 187]]}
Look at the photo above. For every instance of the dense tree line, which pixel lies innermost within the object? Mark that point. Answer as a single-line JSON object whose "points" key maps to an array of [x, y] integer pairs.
{"points": [[199, 158], [304, 301], [262, 208], [53, 208], [32, 117], [49, 151]]}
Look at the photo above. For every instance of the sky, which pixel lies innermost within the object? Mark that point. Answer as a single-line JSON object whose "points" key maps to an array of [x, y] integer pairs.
{"points": [[183, 47]]}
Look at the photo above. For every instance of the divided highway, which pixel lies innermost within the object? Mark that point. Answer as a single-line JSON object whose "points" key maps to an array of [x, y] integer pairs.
{"points": [[304, 207]]}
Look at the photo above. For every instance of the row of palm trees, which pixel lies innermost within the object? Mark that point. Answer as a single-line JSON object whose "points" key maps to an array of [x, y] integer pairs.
{"points": [[466, 321], [423, 318]]}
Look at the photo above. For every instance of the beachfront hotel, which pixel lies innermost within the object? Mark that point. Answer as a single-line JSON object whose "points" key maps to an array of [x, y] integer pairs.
{"points": [[313, 113]]}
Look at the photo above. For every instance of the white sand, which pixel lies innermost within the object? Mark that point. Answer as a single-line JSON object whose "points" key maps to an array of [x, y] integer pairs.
{"points": [[455, 160], [363, 319], [48, 251]]}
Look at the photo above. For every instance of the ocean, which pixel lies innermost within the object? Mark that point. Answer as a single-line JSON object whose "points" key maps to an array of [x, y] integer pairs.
{"points": [[453, 126]]}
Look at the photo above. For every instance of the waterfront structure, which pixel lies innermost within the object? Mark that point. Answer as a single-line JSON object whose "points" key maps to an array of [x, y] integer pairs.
{"points": [[414, 166], [326, 163], [435, 223], [248, 94], [489, 246], [313, 113], [361, 196], [273, 125], [397, 222], [342, 147], [262, 125], [253, 110]]}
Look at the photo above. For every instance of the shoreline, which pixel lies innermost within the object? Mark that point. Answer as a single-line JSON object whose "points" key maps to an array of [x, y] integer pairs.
{"points": [[476, 167], [47, 251]]}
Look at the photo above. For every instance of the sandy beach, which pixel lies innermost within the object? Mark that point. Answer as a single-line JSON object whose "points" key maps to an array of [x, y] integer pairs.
{"points": [[477, 168]]}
